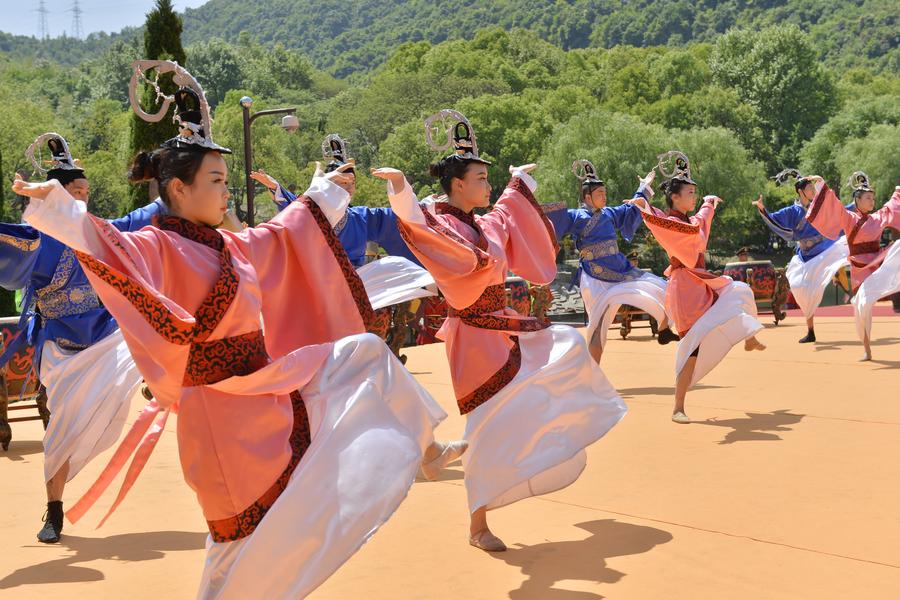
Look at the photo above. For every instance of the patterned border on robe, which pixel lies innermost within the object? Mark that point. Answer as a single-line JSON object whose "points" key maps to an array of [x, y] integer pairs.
{"points": [[351, 277], [516, 184], [19, 243], [817, 204], [495, 382], [670, 224], [479, 250], [246, 522], [554, 207], [606, 274]]}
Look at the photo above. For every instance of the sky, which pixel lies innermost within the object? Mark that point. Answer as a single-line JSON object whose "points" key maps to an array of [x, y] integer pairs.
{"points": [[21, 17]]}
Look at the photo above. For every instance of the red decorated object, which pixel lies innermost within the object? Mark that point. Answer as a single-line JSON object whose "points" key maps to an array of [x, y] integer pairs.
{"points": [[18, 382], [518, 295], [762, 276], [434, 313]]}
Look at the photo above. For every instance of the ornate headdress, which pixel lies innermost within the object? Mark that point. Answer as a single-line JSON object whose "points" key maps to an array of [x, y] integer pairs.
{"points": [[334, 150], [460, 135], [192, 110], [859, 183], [586, 174], [62, 166], [681, 167]]}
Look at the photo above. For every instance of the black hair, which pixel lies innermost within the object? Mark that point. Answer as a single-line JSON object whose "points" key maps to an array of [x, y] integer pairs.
{"points": [[336, 164], [858, 192], [165, 164], [589, 186], [449, 168], [801, 184], [670, 187]]}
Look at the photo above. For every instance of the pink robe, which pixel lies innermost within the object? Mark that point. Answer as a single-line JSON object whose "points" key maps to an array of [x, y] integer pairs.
{"points": [[228, 330], [828, 215], [533, 396], [692, 290]]}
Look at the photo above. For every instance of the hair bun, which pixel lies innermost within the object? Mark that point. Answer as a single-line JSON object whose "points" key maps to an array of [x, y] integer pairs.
{"points": [[436, 170], [144, 167]]}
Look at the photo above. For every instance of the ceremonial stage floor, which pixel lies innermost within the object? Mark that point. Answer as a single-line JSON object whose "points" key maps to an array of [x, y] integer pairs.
{"points": [[787, 486]]}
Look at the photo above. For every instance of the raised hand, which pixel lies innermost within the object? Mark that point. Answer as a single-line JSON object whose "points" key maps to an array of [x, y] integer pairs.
{"points": [[394, 176], [33, 190], [647, 182], [265, 179], [758, 203], [524, 168], [716, 201], [340, 175]]}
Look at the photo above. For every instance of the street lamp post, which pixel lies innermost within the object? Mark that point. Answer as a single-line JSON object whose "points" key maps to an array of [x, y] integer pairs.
{"points": [[289, 123]]}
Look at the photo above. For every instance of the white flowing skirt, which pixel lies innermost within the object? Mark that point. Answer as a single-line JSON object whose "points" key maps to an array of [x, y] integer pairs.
{"points": [[602, 300], [394, 279], [88, 396], [370, 423], [883, 282], [809, 279], [732, 319], [529, 438]]}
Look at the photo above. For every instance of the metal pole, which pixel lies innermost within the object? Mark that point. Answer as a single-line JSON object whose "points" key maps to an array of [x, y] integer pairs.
{"points": [[248, 164]]}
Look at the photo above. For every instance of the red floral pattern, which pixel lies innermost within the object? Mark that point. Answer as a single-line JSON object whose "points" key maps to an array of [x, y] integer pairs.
{"points": [[214, 361], [493, 299], [520, 186], [246, 522], [670, 224]]}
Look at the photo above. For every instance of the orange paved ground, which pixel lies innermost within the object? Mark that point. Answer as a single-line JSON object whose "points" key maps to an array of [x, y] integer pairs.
{"points": [[787, 488]]}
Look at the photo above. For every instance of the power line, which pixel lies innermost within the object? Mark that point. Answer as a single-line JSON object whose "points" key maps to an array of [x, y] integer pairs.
{"points": [[42, 20], [76, 19]]}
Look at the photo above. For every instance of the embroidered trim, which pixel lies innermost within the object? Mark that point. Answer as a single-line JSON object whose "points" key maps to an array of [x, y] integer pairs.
{"points": [[553, 207], [810, 242], [340, 225], [354, 283], [600, 249], [817, 204], [19, 243], [67, 302], [69, 345], [671, 224], [61, 273], [494, 299], [246, 522], [479, 249], [213, 361], [495, 382], [604, 273], [520, 186], [855, 231], [865, 248], [202, 234]]}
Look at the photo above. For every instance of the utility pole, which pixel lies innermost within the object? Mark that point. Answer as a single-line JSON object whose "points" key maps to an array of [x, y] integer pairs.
{"points": [[42, 20], [76, 19]]}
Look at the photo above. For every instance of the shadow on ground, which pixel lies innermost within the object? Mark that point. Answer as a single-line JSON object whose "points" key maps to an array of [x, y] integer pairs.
{"points": [[755, 426], [551, 563]]}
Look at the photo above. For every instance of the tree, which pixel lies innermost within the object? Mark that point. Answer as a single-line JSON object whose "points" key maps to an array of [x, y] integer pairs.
{"points": [[216, 65], [876, 154], [776, 71], [162, 40]]}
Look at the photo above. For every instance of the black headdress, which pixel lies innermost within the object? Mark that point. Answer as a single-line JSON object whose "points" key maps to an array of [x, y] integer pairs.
{"points": [[459, 134], [62, 166], [334, 150], [681, 168]]}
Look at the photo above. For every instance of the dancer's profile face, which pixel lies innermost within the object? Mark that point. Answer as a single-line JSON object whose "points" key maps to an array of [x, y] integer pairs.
{"points": [[866, 202], [205, 200], [473, 190], [79, 189], [807, 194], [685, 199], [596, 199]]}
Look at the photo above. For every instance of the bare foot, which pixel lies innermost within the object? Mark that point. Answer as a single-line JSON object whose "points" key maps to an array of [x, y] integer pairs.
{"points": [[751, 344]]}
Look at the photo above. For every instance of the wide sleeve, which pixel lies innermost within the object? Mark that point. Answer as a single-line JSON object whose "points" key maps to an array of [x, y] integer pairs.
{"points": [[683, 241], [381, 225], [140, 218], [282, 197], [889, 214], [626, 218], [565, 220], [310, 291], [19, 249], [782, 222], [524, 231], [828, 215]]}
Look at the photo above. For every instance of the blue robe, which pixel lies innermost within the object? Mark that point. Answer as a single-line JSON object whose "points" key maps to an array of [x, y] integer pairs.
{"points": [[59, 303], [362, 224], [791, 225], [596, 238]]}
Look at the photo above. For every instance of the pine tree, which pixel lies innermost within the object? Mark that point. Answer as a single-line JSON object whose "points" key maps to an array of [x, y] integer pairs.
{"points": [[162, 40]]}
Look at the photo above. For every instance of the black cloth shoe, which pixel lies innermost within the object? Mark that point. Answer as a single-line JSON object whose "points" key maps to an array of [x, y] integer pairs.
{"points": [[665, 336], [810, 337], [53, 523]]}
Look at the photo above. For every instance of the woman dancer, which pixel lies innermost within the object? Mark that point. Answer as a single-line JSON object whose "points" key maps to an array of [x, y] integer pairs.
{"points": [[80, 356], [532, 395], [711, 313], [817, 259], [300, 437], [606, 277], [863, 227]]}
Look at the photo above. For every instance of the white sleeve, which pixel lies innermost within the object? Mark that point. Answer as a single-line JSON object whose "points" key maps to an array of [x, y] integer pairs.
{"points": [[526, 178], [331, 198], [404, 204], [61, 216]]}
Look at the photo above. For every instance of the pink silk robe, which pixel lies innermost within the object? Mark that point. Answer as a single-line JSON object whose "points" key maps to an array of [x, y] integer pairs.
{"points": [[469, 258], [691, 289], [191, 302], [828, 215]]}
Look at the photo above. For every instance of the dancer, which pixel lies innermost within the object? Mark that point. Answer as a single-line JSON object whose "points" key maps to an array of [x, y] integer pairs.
{"points": [[391, 282], [606, 277], [299, 442], [863, 226], [818, 258], [532, 395], [711, 313], [80, 356]]}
